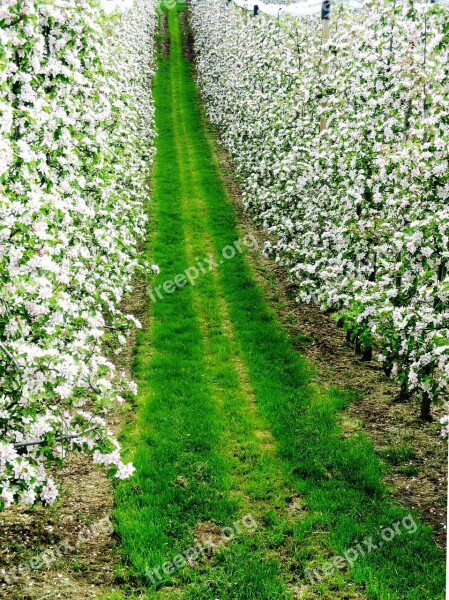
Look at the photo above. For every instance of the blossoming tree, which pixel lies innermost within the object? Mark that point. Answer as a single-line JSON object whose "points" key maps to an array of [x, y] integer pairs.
{"points": [[76, 139], [359, 208]]}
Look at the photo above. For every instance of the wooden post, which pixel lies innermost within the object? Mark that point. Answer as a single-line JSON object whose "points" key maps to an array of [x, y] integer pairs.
{"points": [[325, 17]]}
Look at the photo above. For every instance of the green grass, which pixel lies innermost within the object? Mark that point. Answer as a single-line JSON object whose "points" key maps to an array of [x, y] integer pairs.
{"points": [[215, 372]]}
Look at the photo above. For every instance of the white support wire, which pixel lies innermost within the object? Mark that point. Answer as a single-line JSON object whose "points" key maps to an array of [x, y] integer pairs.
{"points": [[298, 9], [303, 9]]}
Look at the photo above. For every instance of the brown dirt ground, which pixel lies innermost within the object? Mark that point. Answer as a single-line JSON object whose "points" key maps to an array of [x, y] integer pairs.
{"points": [[165, 37], [187, 35], [208, 535]]}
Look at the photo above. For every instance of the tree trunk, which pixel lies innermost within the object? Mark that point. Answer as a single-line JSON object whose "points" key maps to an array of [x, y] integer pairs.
{"points": [[367, 353], [425, 407]]}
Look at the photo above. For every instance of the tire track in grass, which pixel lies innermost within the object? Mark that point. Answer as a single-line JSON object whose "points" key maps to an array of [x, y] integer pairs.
{"points": [[214, 370]]}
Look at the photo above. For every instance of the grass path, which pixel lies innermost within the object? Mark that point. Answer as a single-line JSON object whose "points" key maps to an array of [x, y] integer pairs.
{"points": [[229, 432]]}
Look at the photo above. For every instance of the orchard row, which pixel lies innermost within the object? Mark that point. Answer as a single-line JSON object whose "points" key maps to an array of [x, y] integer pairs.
{"points": [[342, 147], [76, 140]]}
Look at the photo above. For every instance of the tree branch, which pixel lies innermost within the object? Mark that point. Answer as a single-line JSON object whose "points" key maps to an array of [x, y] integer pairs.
{"points": [[10, 356], [58, 439]]}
